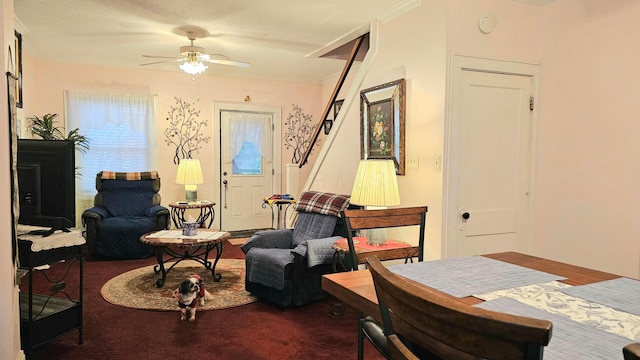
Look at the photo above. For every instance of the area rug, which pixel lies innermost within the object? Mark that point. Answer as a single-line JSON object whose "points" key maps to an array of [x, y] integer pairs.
{"points": [[137, 289]]}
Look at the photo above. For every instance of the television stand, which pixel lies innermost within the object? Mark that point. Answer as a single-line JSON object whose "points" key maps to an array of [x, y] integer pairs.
{"points": [[49, 314]]}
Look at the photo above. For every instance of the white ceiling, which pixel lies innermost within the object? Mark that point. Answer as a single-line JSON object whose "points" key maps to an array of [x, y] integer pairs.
{"points": [[274, 36]]}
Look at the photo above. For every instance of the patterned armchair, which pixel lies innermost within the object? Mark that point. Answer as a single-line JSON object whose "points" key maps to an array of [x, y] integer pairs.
{"points": [[284, 266], [126, 206]]}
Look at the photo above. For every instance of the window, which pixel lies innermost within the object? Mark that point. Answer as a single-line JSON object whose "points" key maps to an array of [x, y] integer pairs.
{"points": [[121, 131], [248, 146]]}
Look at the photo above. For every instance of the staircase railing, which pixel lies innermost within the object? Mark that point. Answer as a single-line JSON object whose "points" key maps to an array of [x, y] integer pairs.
{"points": [[357, 44]]}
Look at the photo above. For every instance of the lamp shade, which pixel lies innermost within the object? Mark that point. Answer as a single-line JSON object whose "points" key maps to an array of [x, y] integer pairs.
{"points": [[189, 172], [375, 184]]}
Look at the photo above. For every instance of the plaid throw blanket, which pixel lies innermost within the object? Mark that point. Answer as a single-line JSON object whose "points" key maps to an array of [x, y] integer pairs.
{"points": [[322, 203], [112, 175]]}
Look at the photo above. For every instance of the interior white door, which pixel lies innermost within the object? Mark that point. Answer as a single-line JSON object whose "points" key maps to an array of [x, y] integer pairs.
{"points": [[491, 132], [246, 168]]}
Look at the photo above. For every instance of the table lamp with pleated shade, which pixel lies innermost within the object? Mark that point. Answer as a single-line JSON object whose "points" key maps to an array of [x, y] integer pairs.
{"points": [[190, 175], [375, 187], [376, 184]]}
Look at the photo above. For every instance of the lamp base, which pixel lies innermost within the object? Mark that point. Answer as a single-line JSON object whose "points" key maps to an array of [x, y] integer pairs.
{"points": [[376, 237], [191, 193]]}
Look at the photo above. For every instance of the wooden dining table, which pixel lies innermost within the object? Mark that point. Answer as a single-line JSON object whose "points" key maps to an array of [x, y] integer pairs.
{"points": [[356, 289]]}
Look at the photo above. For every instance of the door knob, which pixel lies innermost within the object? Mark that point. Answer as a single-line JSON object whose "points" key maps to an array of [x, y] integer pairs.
{"points": [[465, 215], [224, 182]]}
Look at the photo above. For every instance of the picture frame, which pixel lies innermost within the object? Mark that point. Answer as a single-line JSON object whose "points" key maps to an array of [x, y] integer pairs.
{"points": [[337, 105], [328, 124], [13, 172], [18, 67], [382, 125]]}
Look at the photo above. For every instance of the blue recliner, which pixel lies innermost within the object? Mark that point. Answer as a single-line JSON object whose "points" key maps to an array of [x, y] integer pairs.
{"points": [[285, 266], [126, 206]]}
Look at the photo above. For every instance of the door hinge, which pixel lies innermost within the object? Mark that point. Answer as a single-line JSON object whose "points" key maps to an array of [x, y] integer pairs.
{"points": [[531, 103], [273, 172]]}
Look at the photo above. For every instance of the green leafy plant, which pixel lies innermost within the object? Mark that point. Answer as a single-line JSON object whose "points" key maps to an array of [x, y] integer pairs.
{"points": [[46, 129]]}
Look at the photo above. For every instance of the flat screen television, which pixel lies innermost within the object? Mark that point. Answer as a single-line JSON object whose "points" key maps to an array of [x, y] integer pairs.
{"points": [[46, 183]]}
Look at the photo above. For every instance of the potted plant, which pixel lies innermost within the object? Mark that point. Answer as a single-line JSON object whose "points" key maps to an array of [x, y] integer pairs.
{"points": [[47, 130]]}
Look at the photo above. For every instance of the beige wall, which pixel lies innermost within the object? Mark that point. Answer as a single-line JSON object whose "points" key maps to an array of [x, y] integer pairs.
{"points": [[515, 36], [47, 81], [412, 47], [9, 307], [587, 163]]}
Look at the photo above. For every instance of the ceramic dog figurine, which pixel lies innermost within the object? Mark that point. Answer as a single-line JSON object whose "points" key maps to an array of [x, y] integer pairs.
{"points": [[190, 293]]}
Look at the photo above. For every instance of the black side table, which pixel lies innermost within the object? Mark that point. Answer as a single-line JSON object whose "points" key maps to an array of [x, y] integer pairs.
{"points": [[281, 207], [205, 218]]}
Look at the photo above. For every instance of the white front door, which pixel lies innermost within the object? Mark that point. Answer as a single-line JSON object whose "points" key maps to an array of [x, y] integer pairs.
{"points": [[248, 165], [489, 161]]}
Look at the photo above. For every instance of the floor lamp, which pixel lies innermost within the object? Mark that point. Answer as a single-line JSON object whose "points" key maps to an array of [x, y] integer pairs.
{"points": [[375, 187]]}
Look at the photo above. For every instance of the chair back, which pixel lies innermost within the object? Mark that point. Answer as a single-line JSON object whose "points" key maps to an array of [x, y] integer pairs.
{"points": [[384, 218], [631, 351], [127, 193], [449, 328], [318, 214]]}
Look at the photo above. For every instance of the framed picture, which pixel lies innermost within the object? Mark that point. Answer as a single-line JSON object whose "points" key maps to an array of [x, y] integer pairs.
{"points": [[18, 68], [382, 111], [13, 172], [337, 105], [328, 123]]}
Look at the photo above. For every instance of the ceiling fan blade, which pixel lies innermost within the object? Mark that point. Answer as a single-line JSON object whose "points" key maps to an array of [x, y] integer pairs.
{"points": [[160, 62], [228, 62], [161, 57]]}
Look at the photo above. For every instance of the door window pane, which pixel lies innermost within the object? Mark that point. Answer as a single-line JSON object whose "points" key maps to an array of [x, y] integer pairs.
{"points": [[248, 161]]}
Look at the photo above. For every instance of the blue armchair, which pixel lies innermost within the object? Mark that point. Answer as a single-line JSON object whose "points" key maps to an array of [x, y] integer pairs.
{"points": [[284, 266], [126, 206]]}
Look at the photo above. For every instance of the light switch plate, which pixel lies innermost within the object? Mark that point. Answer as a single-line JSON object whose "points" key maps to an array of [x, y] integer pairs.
{"points": [[413, 161]]}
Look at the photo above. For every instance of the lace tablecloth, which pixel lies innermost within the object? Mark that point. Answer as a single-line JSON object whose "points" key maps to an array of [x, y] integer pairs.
{"points": [[56, 240], [551, 298]]}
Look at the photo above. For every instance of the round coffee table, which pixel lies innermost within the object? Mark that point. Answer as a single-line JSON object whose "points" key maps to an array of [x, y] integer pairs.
{"points": [[179, 247]]}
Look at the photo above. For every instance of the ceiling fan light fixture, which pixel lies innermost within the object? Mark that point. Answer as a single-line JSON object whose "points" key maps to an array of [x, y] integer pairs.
{"points": [[193, 67]]}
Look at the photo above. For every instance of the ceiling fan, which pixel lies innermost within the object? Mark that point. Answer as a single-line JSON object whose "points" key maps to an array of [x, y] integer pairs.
{"points": [[193, 58]]}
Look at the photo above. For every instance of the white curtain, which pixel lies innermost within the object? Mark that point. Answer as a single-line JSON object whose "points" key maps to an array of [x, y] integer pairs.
{"points": [[252, 128], [121, 129]]}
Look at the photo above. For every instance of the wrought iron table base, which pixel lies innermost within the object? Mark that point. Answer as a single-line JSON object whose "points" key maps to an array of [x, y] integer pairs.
{"points": [[205, 218], [199, 253], [278, 211]]}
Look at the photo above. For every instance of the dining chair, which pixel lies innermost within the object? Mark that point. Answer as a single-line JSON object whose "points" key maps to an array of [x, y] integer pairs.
{"points": [[359, 219], [631, 351], [442, 326]]}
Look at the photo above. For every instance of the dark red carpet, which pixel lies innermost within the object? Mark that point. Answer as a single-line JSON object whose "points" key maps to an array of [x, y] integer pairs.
{"points": [[253, 331]]}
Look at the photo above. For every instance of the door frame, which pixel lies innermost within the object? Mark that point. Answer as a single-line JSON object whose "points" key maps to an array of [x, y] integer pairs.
{"points": [[457, 64], [217, 150]]}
